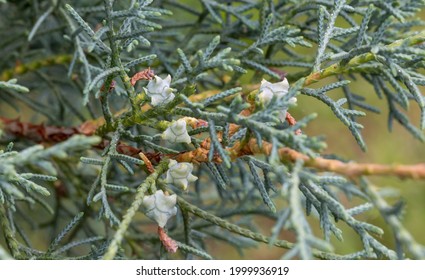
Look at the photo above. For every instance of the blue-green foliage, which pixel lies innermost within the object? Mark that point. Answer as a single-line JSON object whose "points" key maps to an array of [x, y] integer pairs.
{"points": [[226, 47]]}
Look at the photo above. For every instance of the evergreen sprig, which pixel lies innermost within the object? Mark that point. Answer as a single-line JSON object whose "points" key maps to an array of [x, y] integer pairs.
{"points": [[226, 115]]}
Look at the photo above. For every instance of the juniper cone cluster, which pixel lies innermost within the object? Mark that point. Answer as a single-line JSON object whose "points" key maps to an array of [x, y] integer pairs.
{"points": [[147, 129]]}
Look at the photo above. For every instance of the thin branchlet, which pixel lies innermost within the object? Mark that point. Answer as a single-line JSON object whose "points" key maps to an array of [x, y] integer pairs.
{"points": [[214, 86]]}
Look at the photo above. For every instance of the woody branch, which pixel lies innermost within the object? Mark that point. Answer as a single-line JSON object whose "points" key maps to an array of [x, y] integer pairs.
{"points": [[53, 134]]}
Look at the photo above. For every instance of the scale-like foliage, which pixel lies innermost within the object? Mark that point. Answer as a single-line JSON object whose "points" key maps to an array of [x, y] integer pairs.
{"points": [[95, 67]]}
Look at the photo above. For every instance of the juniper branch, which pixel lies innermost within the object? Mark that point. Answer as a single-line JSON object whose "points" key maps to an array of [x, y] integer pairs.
{"points": [[115, 57], [241, 231], [32, 66], [200, 154], [131, 212], [401, 233], [260, 37], [11, 241], [350, 169], [339, 68]]}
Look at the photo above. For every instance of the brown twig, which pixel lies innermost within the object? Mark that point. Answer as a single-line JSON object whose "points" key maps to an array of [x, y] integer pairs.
{"points": [[146, 74], [147, 162], [38, 132], [353, 169], [54, 134], [291, 121], [350, 169], [49, 134], [169, 244]]}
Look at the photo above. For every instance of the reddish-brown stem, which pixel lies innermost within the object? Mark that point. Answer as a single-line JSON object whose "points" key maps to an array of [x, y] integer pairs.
{"points": [[53, 134], [146, 74], [291, 121], [169, 244]]}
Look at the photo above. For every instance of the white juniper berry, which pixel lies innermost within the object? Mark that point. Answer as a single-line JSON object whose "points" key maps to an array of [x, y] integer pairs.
{"points": [[279, 89], [160, 207], [268, 90], [177, 132], [180, 174], [159, 90]]}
